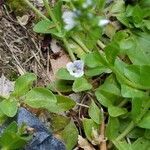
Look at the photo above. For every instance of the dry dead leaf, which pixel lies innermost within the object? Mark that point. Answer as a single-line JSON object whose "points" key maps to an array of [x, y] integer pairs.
{"points": [[6, 86], [58, 63], [23, 20], [55, 47], [83, 143], [95, 137]]}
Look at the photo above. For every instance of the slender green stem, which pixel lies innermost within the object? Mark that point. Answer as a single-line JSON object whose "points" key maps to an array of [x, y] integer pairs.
{"points": [[81, 44], [35, 9], [100, 44], [123, 102], [71, 4], [48, 8], [69, 49], [126, 131], [132, 124], [4, 148]]}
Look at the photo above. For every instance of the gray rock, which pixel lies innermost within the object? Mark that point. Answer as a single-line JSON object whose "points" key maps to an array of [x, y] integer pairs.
{"points": [[42, 138]]}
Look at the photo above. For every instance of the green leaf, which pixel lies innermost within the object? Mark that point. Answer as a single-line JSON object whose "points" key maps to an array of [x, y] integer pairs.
{"points": [[145, 3], [136, 107], [124, 20], [11, 140], [94, 113], [81, 84], [134, 15], [43, 98], [92, 60], [127, 44], [58, 12], [115, 111], [111, 51], [114, 47], [97, 71], [58, 122], [138, 74], [89, 125], [112, 129], [47, 27], [3, 117], [63, 74], [64, 103], [100, 4], [70, 135], [9, 107], [122, 145], [117, 7], [140, 55], [147, 134], [104, 98], [147, 24], [40, 98], [23, 84], [111, 88], [137, 16], [108, 93], [145, 122], [136, 133], [61, 85], [91, 36], [12, 127], [141, 143], [130, 92]]}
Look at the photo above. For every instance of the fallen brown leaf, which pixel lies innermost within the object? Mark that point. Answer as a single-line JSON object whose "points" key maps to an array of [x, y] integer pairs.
{"points": [[6, 86], [58, 63], [84, 144]]}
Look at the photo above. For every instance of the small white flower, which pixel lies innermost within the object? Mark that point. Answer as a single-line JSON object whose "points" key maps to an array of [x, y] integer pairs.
{"points": [[76, 68], [87, 3], [69, 20], [103, 22]]}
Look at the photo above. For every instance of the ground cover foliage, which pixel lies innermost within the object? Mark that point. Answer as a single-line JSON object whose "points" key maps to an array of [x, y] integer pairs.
{"points": [[108, 43]]}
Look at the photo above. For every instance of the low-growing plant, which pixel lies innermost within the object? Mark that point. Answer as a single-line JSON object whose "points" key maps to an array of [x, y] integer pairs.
{"points": [[118, 56]]}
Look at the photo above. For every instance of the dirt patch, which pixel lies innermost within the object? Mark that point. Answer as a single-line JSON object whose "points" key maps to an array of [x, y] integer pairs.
{"points": [[16, 45], [21, 50]]}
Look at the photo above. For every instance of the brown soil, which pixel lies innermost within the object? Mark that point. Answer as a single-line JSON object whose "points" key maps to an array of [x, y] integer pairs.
{"points": [[20, 49]]}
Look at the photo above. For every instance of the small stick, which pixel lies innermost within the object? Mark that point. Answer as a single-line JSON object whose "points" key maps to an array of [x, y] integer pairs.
{"points": [[86, 106], [102, 134]]}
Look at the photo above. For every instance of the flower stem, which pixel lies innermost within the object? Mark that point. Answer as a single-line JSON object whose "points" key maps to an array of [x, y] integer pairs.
{"points": [[133, 124], [35, 10], [48, 8], [4, 148], [123, 102], [126, 131], [100, 44], [81, 44], [69, 49]]}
